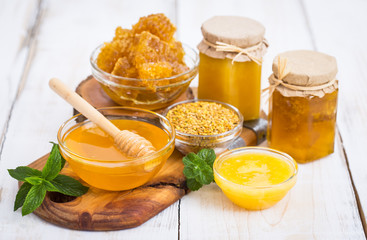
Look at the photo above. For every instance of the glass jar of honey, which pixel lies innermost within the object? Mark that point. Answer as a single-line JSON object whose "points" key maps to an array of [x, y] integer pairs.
{"points": [[303, 103], [230, 62]]}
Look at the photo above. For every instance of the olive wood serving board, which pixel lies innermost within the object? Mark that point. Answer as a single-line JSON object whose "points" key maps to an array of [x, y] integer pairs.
{"points": [[100, 210]]}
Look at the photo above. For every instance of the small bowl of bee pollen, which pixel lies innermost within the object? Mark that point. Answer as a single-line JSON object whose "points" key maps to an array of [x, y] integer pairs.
{"points": [[203, 124]]}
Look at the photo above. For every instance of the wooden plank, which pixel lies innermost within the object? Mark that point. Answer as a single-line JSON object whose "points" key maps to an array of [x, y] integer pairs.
{"points": [[69, 30], [341, 33], [15, 44], [322, 205]]}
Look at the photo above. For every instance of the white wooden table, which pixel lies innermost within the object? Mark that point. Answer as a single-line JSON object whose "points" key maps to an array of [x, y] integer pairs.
{"points": [[42, 39]]}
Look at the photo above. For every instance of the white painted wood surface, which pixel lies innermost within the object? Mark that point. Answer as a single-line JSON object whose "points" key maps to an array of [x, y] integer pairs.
{"points": [[54, 38]]}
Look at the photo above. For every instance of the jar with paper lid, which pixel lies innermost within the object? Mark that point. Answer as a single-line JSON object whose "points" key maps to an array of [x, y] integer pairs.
{"points": [[303, 104], [231, 55]]}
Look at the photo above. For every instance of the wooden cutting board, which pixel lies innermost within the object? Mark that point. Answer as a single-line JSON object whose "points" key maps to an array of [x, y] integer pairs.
{"points": [[100, 210]]}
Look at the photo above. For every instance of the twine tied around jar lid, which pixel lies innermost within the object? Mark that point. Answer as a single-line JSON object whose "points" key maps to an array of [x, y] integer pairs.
{"points": [[303, 73], [237, 38], [225, 47]]}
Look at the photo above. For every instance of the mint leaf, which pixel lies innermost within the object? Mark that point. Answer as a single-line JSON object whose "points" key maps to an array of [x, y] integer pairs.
{"points": [[50, 187], [189, 172], [22, 193], [208, 155], [206, 175], [198, 168], [34, 180], [63, 161], [69, 186], [33, 199], [53, 164], [193, 185], [36, 183], [20, 173], [190, 161]]}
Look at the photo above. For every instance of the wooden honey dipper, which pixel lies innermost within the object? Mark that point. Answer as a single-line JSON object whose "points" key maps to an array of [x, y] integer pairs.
{"points": [[133, 145]]}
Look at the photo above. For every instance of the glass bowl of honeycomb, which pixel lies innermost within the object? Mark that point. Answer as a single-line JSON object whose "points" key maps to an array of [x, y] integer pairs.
{"points": [[145, 66]]}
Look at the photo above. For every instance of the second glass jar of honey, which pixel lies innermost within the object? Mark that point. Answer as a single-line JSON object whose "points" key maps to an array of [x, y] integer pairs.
{"points": [[303, 103], [230, 62]]}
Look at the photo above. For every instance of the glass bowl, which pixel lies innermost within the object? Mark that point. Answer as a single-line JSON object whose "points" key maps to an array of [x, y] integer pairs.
{"points": [[115, 175], [187, 143], [254, 197], [161, 93]]}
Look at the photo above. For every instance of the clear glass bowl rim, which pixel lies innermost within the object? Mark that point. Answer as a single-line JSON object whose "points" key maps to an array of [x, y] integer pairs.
{"points": [[194, 57]]}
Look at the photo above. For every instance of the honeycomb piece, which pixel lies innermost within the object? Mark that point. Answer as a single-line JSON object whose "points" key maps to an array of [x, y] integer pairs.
{"points": [[149, 48], [123, 68], [176, 51], [157, 24], [148, 51], [122, 34], [146, 48], [111, 52], [155, 70]]}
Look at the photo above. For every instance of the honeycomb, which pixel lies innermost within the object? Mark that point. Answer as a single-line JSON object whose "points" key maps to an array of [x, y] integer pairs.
{"points": [[157, 24], [147, 51]]}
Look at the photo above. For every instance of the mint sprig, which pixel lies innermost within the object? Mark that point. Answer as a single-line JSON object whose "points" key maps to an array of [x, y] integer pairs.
{"points": [[198, 168], [36, 183]]}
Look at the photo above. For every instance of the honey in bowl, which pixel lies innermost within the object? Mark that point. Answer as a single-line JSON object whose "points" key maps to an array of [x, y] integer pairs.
{"points": [[92, 155], [255, 178]]}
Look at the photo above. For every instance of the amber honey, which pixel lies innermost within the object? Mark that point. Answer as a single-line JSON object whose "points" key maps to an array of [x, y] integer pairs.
{"points": [[236, 83], [92, 155], [303, 127]]}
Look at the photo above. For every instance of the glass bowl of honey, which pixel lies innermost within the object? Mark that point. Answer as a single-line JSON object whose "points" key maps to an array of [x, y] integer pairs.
{"points": [[255, 178], [92, 155], [202, 123], [147, 93]]}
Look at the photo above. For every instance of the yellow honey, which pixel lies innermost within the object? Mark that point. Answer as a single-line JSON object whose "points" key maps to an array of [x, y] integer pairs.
{"points": [[237, 84], [255, 178]]}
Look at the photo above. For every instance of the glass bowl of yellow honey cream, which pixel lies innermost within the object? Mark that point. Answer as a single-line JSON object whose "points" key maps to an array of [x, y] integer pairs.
{"points": [[255, 178], [92, 155]]}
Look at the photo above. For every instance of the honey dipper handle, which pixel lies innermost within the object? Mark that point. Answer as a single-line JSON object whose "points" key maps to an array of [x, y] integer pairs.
{"points": [[83, 106]]}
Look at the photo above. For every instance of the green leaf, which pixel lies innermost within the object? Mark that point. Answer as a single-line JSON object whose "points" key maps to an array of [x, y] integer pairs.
{"points": [[189, 160], [69, 186], [208, 155], [193, 185], [190, 172], [34, 180], [50, 187], [34, 199], [197, 170], [22, 193], [20, 173], [53, 164], [63, 161], [206, 175]]}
